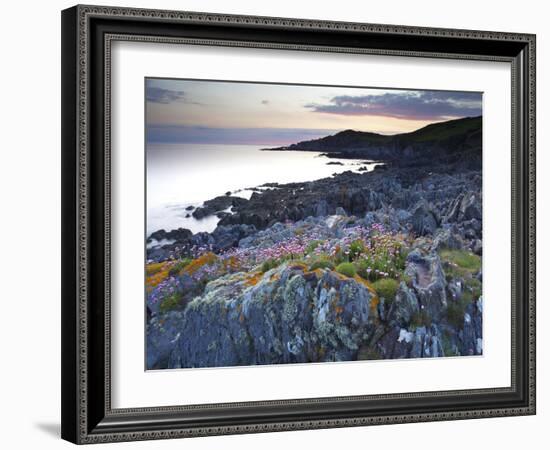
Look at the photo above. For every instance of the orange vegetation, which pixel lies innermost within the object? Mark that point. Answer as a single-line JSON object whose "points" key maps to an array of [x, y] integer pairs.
{"points": [[196, 264], [156, 273], [253, 279]]}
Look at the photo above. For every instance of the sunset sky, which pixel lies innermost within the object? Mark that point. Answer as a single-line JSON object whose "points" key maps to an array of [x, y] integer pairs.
{"points": [[274, 114]]}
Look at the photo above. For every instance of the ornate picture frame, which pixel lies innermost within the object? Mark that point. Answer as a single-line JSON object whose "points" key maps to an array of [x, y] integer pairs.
{"points": [[88, 33]]}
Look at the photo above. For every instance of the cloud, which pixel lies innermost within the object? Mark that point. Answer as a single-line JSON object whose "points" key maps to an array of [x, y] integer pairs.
{"points": [[415, 105], [265, 102], [165, 96]]}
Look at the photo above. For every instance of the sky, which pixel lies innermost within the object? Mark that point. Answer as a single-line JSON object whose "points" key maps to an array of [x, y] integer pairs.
{"points": [[214, 112]]}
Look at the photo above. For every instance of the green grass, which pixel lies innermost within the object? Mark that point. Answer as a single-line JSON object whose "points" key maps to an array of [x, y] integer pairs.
{"points": [[420, 319], [386, 288], [464, 259], [170, 302], [269, 264], [446, 344], [179, 266], [446, 130], [357, 137], [473, 285], [347, 269], [463, 265], [355, 249], [311, 246], [321, 264], [457, 308], [456, 311]]}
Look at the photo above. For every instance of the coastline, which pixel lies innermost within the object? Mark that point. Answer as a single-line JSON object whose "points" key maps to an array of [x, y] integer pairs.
{"points": [[360, 265], [181, 189]]}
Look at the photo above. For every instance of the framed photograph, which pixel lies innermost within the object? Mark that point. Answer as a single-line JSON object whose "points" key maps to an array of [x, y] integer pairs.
{"points": [[279, 224]]}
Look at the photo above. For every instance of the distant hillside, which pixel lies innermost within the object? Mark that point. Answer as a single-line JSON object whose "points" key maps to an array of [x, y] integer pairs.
{"points": [[451, 140]]}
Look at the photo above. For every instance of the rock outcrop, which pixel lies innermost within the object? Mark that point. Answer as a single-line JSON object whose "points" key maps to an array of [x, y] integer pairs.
{"points": [[206, 308], [288, 314]]}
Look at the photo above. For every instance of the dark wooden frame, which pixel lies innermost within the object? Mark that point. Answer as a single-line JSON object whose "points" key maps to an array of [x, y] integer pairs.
{"points": [[87, 32]]}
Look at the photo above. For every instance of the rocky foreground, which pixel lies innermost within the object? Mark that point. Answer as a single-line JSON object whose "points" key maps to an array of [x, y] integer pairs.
{"points": [[383, 264]]}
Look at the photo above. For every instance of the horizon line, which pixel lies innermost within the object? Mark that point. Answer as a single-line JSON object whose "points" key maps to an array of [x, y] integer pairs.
{"points": [[197, 134]]}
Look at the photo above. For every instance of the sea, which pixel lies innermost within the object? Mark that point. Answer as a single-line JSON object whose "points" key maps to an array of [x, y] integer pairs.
{"points": [[180, 176]]}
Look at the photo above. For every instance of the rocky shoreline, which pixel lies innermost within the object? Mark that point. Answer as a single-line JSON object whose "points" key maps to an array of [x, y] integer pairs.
{"points": [[418, 200], [370, 265], [323, 315]]}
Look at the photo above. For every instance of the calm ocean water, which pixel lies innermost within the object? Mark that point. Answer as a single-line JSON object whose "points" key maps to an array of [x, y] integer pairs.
{"points": [[182, 175]]}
